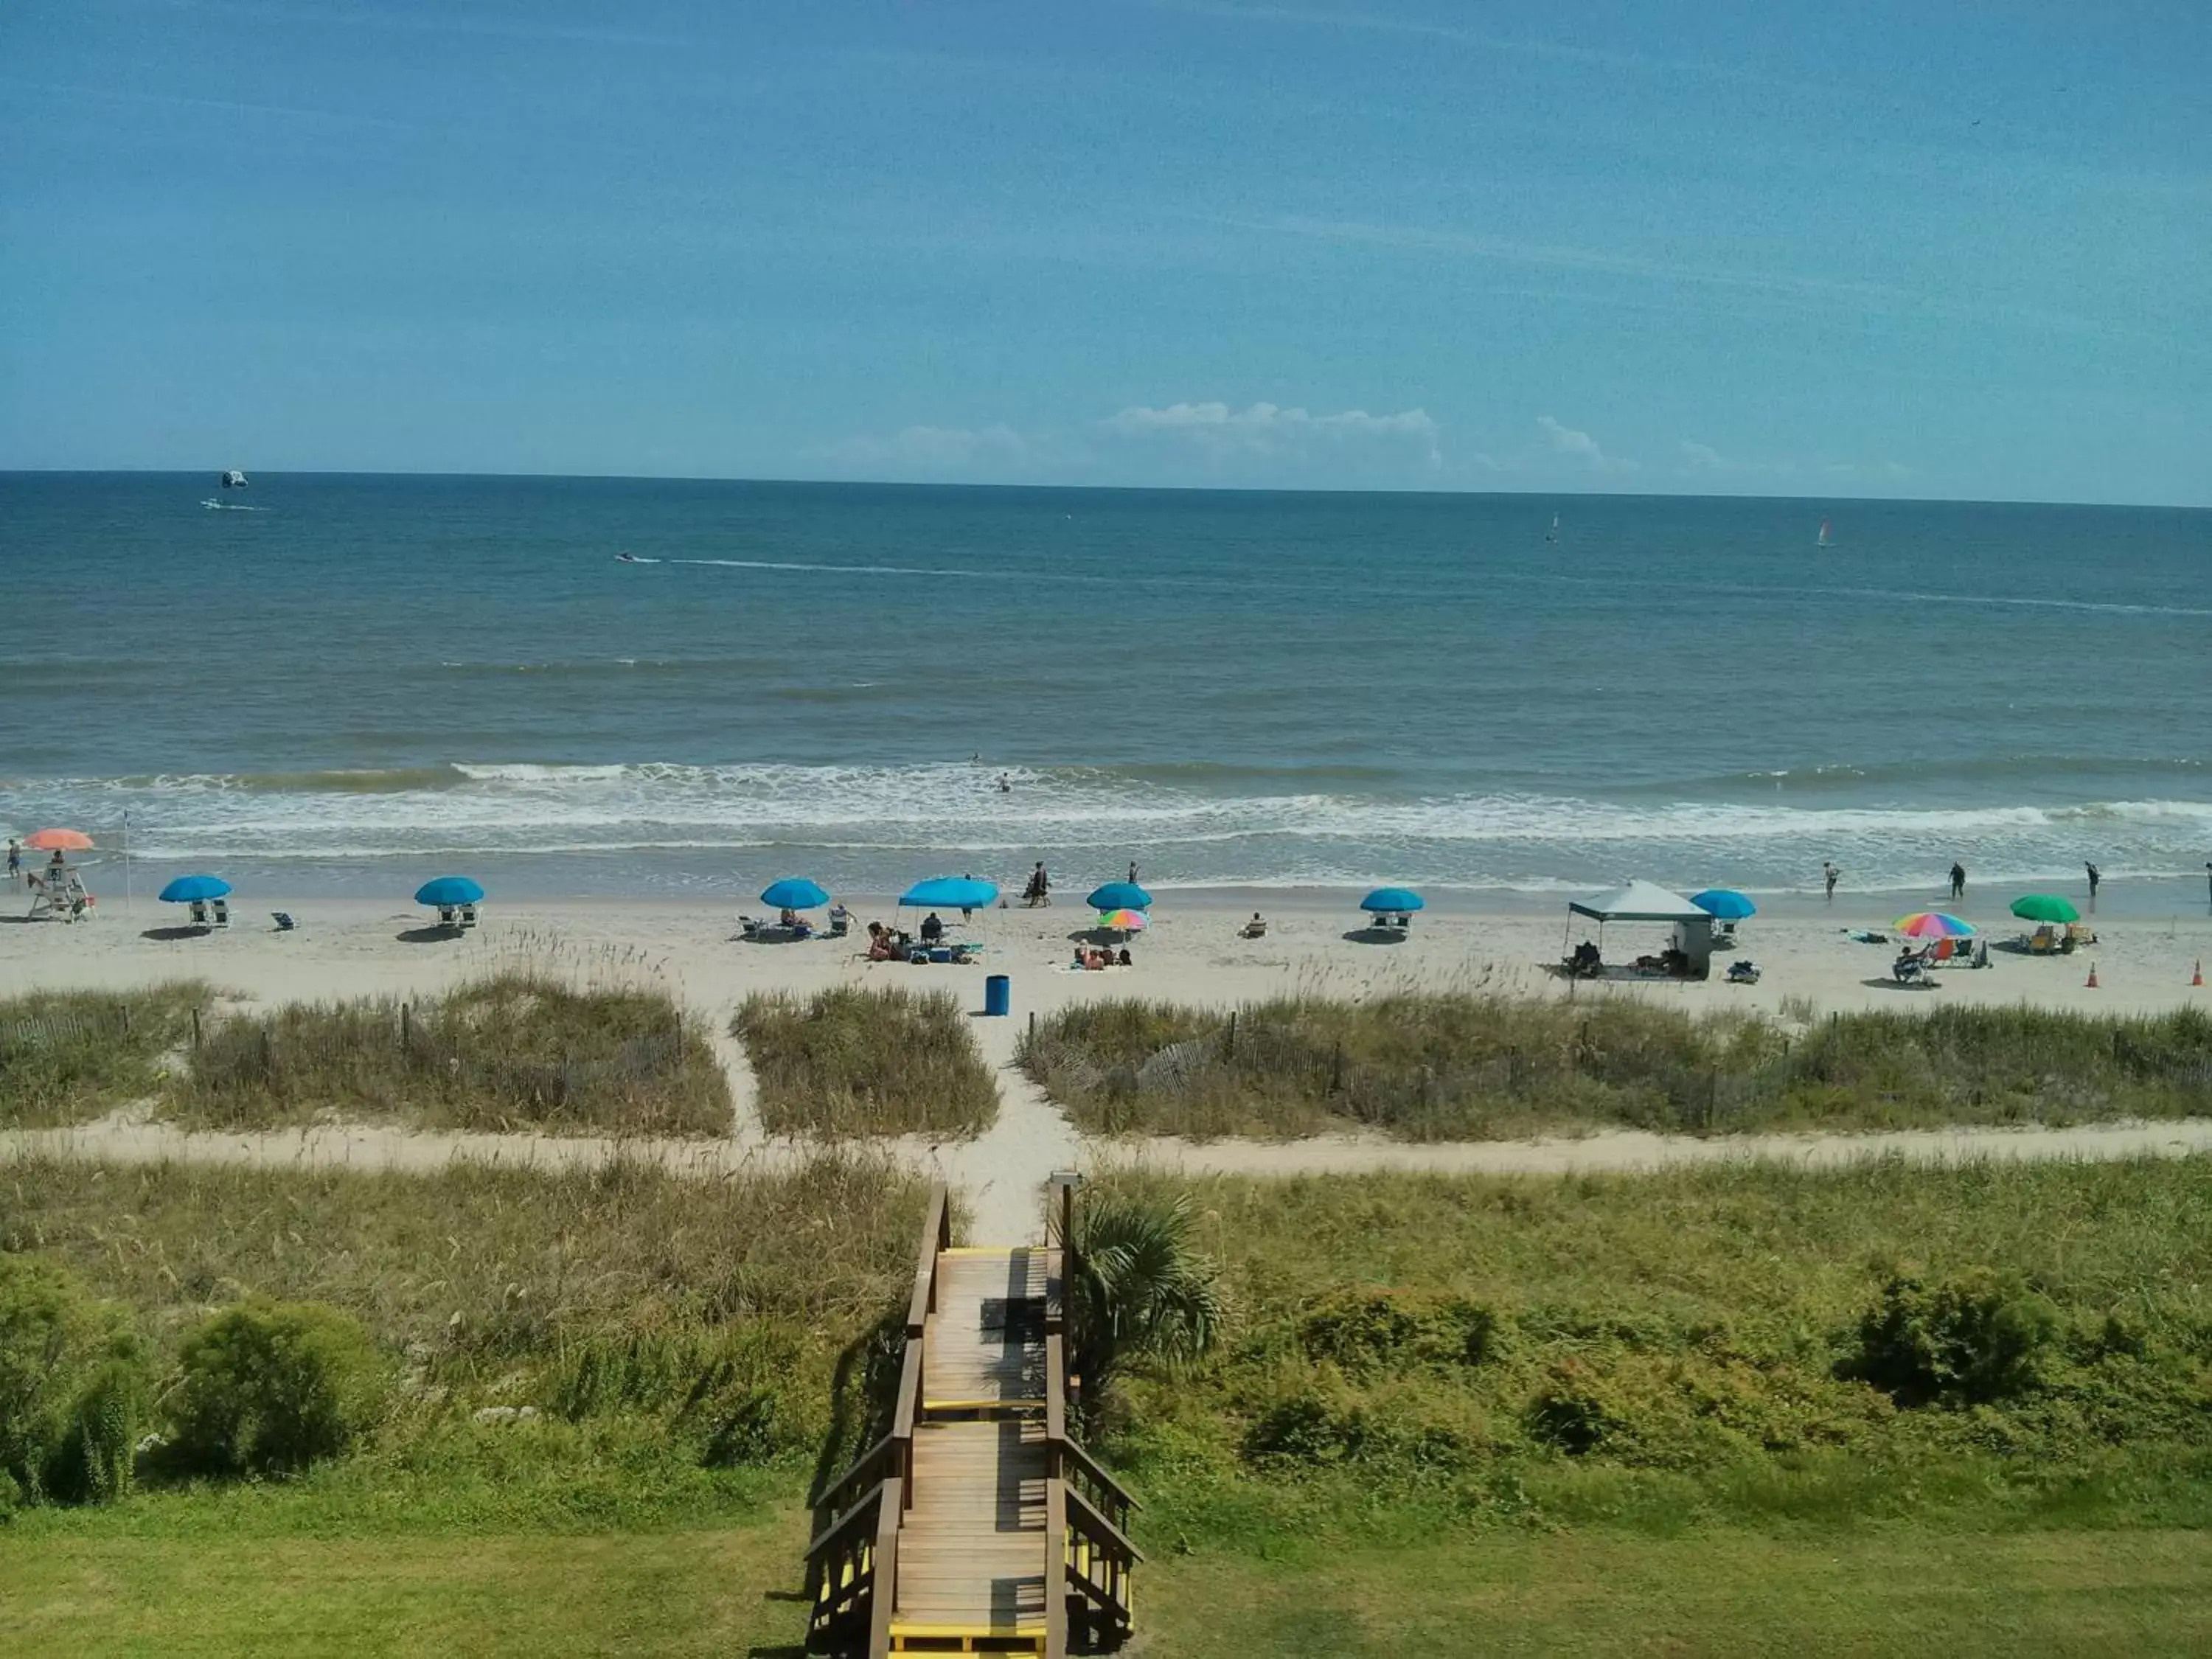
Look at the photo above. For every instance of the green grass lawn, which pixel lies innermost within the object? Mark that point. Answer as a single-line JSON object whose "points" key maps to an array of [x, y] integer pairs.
{"points": [[169, 1576], [726, 1591], [1909, 1592]]}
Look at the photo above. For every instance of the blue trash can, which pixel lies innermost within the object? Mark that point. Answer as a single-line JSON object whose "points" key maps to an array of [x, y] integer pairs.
{"points": [[998, 995]]}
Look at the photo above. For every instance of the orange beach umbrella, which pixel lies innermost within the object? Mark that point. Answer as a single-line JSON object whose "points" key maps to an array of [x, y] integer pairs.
{"points": [[59, 840]]}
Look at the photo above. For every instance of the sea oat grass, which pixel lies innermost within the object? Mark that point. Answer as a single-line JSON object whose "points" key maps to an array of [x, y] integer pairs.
{"points": [[521, 1051], [69, 1056], [850, 1061], [1434, 1067]]}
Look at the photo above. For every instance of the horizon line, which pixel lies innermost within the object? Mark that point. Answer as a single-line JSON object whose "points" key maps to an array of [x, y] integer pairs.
{"points": [[1110, 488]]}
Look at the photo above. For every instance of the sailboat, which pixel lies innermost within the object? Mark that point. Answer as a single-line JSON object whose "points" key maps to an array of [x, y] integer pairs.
{"points": [[1552, 534], [1827, 534]]}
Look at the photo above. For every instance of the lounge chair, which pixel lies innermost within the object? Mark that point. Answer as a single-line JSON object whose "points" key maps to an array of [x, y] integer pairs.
{"points": [[749, 927], [283, 920], [196, 913], [219, 913], [445, 915], [468, 916]]}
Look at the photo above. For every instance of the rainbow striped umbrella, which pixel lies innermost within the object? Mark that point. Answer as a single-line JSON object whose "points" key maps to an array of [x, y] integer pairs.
{"points": [[1124, 921], [1932, 924]]}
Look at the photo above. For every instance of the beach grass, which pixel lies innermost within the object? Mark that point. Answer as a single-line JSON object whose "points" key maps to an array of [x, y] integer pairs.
{"points": [[521, 1049], [627, 1347], [1976, 1348], [849, 1060], [70, 1056], [472, 1265], [1426, 1067], [1383, 1454]]}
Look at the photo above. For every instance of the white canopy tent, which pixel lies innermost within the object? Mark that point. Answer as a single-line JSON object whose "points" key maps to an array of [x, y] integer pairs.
{"points": [[1644, 901]]}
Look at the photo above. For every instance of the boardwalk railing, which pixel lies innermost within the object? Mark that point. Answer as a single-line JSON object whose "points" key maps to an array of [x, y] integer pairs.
{"points": [[1009, 1585], [1086, 1510], [852, 1565]]}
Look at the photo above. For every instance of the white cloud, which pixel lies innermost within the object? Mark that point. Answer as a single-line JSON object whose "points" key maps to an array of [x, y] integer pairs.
{"points": [[1704, 458], [1264, 429], [1570, 444]]}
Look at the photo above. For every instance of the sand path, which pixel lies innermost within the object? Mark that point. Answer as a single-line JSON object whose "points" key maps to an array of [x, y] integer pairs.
{"points": [[1002, 1172]]}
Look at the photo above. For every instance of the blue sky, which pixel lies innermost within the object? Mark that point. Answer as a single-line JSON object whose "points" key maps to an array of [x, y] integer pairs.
{"points": [[1882, 249]]}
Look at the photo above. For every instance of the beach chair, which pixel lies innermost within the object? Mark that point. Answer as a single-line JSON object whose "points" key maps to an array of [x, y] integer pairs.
{"points": [[283, 920], [1911, 970], [749, 927], [445, 915], [197, 911], [1745, 972], [1255, 929], [468, 917], [841, 921], [219, 913]]}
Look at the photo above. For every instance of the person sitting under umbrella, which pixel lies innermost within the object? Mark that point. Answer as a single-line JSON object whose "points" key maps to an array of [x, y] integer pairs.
{"points": [[932, 928]]}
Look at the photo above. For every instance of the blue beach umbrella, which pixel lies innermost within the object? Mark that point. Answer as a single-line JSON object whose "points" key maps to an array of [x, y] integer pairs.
{"points": [[1725, 903], [794, 893], [1391, 901], [951, 893], [1120, 896], [448, 890], [194, 890]]}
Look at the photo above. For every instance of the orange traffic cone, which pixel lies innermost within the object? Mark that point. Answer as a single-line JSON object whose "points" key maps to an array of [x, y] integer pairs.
{"points": [[2197, 978], [2093, 977]]}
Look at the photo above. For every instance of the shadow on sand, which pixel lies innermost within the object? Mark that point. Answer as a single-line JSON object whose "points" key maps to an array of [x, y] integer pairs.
{"points": [[1375, 935], [188, 930], [431, 935]]}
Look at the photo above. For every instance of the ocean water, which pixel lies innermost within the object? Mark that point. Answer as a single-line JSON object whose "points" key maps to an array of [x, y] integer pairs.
{"points": [[363, 681]]}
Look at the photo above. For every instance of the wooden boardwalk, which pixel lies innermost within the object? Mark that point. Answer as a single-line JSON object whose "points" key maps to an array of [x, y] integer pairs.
{"points": [[977, 1524]]}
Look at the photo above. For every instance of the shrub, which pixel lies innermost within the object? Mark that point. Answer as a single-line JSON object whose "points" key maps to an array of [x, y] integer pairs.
{"points": [[73, 1387], [272, 1387], [1410, 1432], [1970, 1340], [1363, 1329]]}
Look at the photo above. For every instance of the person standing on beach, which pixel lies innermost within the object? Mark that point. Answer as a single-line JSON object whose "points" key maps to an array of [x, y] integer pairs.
{"points": [[1133, 872], [14, 861], [2095, 876], [1829, 876], [1958, 882]]}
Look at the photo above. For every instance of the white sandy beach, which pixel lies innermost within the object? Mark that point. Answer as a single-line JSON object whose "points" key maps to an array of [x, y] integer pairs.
{"points": [[1192, 954]]}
